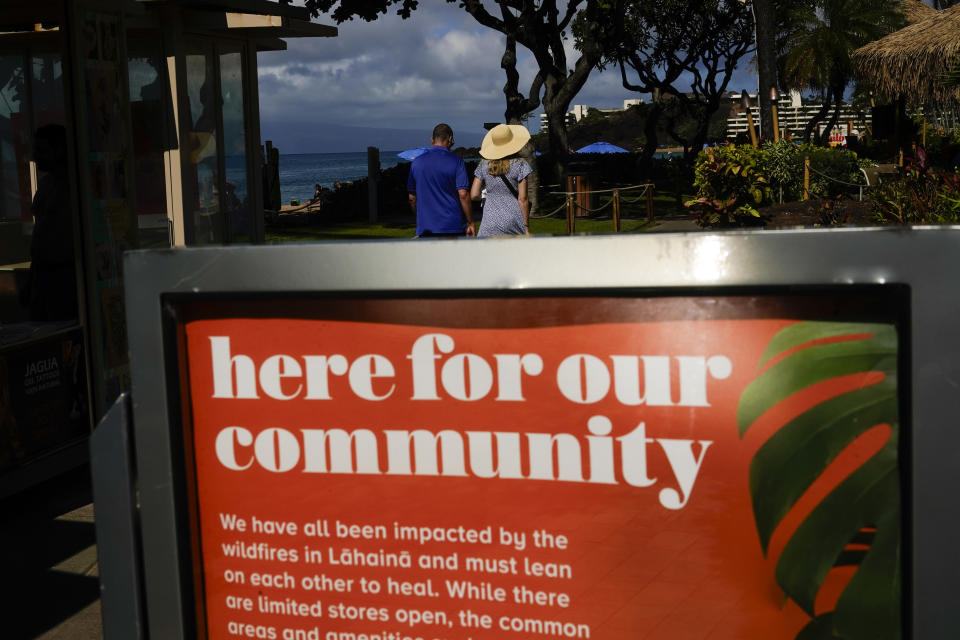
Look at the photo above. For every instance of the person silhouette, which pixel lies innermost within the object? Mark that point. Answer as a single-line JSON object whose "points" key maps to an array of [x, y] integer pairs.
{"points": [[51, 291]]}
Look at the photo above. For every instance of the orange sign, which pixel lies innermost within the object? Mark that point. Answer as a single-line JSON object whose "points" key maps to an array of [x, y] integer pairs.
{"points": [[374, 480]]}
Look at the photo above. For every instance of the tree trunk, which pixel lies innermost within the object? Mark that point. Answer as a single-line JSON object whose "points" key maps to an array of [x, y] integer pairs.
{"points": [[556, 111], [817, 117], [837, 101], [519, 106], [765, 19]]}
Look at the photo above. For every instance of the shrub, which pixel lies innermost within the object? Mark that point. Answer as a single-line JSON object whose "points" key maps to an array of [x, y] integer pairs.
{"points": [[729, 186], [833, 171], [918, 195], [782, 164]]}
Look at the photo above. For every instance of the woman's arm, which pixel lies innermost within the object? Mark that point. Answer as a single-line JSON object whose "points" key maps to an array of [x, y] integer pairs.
{"points": [[524, 203], [475, 189]]}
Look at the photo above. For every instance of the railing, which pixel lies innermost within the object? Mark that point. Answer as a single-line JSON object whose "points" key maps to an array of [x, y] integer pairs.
{"points": [[572, 206]]}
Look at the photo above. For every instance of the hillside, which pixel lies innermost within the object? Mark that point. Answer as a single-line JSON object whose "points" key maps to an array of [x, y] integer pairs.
{"points": [[626, 129]]}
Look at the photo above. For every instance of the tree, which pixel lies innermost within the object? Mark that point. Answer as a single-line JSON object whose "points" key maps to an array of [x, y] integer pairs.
{"points": [[657, 44], [819, 44], [538, 25], [765, 22]]}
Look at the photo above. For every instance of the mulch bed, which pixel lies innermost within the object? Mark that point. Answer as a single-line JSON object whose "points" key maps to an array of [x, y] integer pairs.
{"points": [[808, 214]]}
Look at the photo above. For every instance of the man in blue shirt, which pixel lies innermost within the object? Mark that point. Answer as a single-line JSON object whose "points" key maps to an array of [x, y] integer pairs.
{"points": [[438, 189]]}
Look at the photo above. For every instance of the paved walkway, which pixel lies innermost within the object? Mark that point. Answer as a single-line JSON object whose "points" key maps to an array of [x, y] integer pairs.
{"points": [[51, 588]]}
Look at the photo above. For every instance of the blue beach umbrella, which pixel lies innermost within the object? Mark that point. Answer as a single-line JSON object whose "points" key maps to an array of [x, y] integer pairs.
{"points": [[602, 147], [410, 154]]}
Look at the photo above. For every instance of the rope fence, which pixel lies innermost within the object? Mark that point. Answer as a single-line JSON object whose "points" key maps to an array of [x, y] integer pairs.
{"points": [[806, 182], [574, 203], [551, 214]]}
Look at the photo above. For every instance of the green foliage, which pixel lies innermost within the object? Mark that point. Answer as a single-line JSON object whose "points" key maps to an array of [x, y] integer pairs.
{"points": [[918, 195], [782, 164], [864, 508], [832, 212], [729, 186], [821, 36], [831, 167], [732, 180]]}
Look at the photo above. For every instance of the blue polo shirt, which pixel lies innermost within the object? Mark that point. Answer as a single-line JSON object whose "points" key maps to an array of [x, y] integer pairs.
{"points": [[435, 177]]}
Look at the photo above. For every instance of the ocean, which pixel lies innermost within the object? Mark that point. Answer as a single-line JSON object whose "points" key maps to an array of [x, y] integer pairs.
{"points": [[299, 172]]}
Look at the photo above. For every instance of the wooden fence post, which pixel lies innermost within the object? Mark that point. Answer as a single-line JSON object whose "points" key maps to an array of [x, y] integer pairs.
{"points": [[570, 216], [649, 192], [806, 178], [616, 211], [373, 182]]}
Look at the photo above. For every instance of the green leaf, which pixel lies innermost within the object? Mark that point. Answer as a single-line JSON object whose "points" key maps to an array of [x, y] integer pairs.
{"points": [[812, 365], [806, 445], [804, 332], [857, 502], [864, 508], [820, 628], [869, 607]]}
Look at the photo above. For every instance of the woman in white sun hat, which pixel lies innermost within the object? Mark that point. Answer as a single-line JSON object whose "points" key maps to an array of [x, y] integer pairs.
{"points": [[504, 175]]}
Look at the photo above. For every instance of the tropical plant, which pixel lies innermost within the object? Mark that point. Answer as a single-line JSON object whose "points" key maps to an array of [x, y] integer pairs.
{"points": [[834, 171], [782, 164], [864, 508], [729, 187], [818, 45], [918, 195]]}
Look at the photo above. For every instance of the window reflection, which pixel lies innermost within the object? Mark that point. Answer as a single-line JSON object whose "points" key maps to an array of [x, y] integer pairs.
{"points": [[234, 147], [201, 92], [151, 118]]}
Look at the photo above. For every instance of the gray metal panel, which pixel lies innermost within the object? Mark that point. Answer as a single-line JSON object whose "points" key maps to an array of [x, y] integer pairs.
{"points": [[925, 258], [118, 553]]}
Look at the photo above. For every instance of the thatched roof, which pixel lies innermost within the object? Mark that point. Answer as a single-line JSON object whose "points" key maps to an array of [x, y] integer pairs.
{"points": [[910, 62], [916, 11]]}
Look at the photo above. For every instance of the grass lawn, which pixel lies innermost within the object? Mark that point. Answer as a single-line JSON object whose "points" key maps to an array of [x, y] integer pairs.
{"points": [[633, 220]]}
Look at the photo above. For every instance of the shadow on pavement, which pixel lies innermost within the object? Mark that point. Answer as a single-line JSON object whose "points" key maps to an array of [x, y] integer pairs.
{"points": [[48, 547]]}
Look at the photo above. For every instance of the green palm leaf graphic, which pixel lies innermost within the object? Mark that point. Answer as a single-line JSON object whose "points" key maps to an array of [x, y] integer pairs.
{"points": [[864, 508]]}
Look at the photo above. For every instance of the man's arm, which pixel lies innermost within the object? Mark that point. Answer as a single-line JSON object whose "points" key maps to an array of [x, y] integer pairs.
{"points": [[467, 210]]}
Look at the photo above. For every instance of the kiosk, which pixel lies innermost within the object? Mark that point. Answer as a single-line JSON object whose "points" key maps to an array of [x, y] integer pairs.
{"points": [[745, 435]]}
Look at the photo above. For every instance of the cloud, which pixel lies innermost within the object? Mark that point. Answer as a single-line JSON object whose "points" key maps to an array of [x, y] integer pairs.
{"points": [[394, 74]]}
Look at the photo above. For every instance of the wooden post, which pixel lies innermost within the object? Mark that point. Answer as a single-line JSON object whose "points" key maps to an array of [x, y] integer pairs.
{"points": [[373, 181], [616, 211], [570, 217], [900, 161], [806, 178], [753, 130], [776, 123], [649, 191]]}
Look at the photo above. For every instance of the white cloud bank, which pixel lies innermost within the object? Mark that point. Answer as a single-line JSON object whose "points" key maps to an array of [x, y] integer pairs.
{"points": [[386, 83]]}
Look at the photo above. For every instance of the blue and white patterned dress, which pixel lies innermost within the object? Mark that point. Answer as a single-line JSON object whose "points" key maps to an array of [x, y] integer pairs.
{"points": [[501, 211]]}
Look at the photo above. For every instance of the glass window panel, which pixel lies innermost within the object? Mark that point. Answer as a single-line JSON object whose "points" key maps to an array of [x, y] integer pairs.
{"points": [[47, 87], [16, 220], [15, 137], [234, 147], [149, 106], [204, 139]]}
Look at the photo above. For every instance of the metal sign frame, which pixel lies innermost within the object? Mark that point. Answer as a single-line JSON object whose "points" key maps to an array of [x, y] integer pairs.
{"points": [[923, 259]]}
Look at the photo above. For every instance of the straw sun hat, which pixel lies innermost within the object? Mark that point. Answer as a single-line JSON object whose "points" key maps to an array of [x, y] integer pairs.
{"points": [[504, 140]]}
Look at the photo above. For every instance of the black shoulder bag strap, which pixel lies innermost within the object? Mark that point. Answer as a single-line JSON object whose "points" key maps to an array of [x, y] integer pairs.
{"points": [[513, 189]]}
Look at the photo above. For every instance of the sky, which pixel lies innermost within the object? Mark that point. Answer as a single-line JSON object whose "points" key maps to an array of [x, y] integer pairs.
{"points": [[386, 83]]}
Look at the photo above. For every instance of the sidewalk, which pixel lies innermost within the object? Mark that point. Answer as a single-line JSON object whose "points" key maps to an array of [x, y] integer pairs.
{"points": [[49, 556]]}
